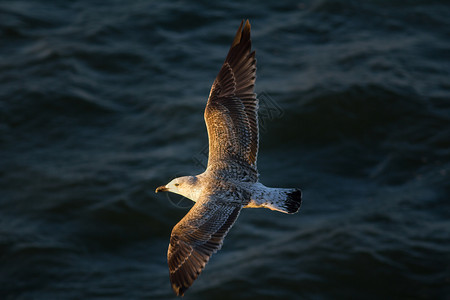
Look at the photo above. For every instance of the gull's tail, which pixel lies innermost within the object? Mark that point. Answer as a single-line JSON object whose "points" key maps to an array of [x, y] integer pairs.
{"points": [[283, 200], [289, 202]]}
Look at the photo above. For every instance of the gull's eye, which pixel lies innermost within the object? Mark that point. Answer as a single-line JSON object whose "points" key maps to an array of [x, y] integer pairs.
{"points": [[177, 184]]}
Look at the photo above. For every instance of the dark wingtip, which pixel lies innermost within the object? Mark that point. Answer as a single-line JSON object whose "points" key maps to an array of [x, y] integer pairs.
{"points": [[240, 32], [247, 26], [293, 201], [179, 290], [237, 38]]}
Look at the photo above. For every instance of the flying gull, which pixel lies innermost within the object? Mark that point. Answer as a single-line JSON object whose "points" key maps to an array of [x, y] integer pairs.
{"points": [[230, 181]]}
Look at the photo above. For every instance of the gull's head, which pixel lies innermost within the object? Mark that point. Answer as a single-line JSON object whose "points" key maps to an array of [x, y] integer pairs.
{"points": [[184, 186]]}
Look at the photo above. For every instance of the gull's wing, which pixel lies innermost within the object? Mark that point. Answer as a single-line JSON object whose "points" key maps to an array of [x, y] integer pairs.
{"points": [[231, 113], [196, 237]]}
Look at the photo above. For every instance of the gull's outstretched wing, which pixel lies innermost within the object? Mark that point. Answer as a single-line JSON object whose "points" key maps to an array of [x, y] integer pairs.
{"points": [[196, 237], [231, 113]]}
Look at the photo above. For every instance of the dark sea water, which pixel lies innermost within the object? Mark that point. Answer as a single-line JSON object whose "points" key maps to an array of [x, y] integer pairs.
{"points": [[102, 101]]}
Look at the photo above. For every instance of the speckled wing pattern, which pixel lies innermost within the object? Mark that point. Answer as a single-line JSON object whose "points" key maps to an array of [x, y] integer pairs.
{"points": [[232, 123], [196, 237], [231, 112]]}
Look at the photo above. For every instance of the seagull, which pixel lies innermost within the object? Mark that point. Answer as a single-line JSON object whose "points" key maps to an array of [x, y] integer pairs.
{"points": [[230, 181]]}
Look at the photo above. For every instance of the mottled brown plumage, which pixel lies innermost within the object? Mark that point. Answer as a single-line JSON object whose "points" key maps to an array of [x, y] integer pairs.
{"points": [[230, 182], [231, 112]]}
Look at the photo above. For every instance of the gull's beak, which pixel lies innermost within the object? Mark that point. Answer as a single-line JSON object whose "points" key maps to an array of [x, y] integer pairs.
{"points": [[161, 189]]}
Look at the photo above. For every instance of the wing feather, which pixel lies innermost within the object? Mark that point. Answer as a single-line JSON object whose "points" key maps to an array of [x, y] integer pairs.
{"points": [[196, 238], [231, 112]]}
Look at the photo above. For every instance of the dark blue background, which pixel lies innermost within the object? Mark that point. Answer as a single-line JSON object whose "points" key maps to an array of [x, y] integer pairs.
{"points": [[102, 101]]}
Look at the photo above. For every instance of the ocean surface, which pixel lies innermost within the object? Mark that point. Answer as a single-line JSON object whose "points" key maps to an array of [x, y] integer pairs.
{"points": [[102, 101]]}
